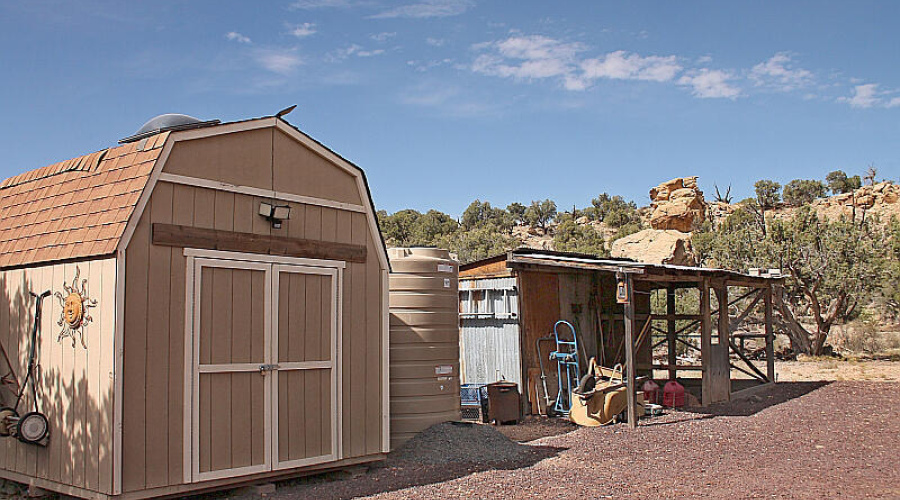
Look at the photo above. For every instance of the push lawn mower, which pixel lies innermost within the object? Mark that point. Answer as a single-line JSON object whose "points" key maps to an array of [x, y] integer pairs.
{"points": [[33, 427]]}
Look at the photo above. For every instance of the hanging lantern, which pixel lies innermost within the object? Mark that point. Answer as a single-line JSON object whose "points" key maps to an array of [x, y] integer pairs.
{"points": [[621, 288]]}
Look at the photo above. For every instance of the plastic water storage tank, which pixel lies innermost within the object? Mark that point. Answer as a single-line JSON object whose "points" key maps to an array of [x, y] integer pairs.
{"points": [[424, 343]]}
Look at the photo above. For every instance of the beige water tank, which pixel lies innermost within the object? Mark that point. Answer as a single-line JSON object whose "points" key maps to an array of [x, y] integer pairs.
{"points": [[424, 342]]}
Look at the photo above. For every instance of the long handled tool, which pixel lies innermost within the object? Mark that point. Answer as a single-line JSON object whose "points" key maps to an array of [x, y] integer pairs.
{"points": [[33, 427]]}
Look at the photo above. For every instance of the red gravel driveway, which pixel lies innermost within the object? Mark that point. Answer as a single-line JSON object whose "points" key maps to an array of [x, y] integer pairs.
{"points": [[797, 440]]}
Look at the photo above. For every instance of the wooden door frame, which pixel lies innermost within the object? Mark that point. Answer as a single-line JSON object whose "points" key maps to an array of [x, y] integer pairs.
{"points": [[195, 260]]}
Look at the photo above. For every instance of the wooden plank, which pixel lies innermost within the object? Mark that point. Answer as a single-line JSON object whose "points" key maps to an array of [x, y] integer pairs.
{"points": [[705, 339], [720, 367], [106, 398], [212, 239], [204, 208], [258, 315], [770, 335], [157, 381], [316, 323], [241, 384], [670, 331], [135, 370], [360, 345], [312, 408], [42, 282], [6, 338], [220, 385], [629, 353], [309, 336], [94, 373], [345, 235], [182, 213], [373, 353]]}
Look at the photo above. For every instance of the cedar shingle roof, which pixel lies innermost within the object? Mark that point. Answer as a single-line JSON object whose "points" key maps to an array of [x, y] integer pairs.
{"points": [[74, 209]]}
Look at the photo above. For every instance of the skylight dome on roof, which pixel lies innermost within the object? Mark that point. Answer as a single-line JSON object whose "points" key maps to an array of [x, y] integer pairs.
{"points": [[169, 121]]}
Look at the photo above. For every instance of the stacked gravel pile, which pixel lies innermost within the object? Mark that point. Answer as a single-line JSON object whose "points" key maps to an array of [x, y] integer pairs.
{"points": [[460, 442]]}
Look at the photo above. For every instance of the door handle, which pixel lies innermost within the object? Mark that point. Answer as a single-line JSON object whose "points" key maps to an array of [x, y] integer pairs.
{"points": [[268, 368]]}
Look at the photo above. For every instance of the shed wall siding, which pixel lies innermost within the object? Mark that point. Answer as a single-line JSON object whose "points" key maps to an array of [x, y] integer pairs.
{"points": [[155, 296], [75, 388]]}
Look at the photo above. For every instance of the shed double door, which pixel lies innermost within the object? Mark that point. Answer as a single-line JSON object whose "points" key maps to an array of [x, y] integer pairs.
{"points": [[265, 372]]}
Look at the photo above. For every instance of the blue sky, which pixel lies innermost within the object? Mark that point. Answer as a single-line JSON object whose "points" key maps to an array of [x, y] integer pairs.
{"points": [[445, 101]]}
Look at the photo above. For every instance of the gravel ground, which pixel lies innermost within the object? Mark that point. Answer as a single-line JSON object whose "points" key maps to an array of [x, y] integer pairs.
{"points": [[803, 440], [797, 440]]}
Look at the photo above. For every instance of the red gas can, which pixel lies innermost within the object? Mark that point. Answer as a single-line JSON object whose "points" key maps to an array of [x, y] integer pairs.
{"points": [[651, 392], [673, 394]]}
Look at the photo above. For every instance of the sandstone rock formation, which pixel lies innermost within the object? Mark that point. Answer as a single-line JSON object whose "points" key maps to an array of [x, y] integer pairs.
{"points": [[656, 246], [882, 199], [677, 204]]}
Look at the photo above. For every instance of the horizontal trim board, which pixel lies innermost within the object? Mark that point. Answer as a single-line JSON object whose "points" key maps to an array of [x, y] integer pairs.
{"points": [[229, 368], [304, 365], [213, 239], [220, 256], [262, 193]]}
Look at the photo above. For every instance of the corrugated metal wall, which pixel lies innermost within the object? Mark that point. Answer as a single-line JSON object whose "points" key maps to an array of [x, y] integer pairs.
{"points": [[489, 333]]}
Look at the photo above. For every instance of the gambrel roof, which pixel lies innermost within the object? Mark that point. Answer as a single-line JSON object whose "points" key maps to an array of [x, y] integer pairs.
{"points": [[74, 209]]}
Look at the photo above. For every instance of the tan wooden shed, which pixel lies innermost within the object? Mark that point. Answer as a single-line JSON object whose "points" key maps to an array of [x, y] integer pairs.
{"points": [[232, 285]]}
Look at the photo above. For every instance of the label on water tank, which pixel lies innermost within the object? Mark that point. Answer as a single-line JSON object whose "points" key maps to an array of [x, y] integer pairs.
{"points": [[443, 370], [444, 268], [446, 282]]}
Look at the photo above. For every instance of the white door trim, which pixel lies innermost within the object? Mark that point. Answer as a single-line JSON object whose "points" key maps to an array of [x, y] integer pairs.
{"points": [[271, 266], [255, 257], [336, 396], [193, 340]]}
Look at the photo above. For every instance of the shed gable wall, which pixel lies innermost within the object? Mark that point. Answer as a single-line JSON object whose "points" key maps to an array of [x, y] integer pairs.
{"points": [[264, 158]]}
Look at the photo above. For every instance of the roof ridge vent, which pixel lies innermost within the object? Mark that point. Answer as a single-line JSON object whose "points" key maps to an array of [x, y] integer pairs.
{"points": [[167, 122]]}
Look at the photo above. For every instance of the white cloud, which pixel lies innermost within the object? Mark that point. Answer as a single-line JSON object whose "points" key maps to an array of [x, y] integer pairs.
{"points": [[281, 61], [624, 66], [710, 83], [537, 57], [427, 9], [303, 30], [381, 37], [370, 53], [352, 50], [864, 96], [704, 59], [894, 102], [237, 37], [436, 42], [527, 57], [778, 73]]}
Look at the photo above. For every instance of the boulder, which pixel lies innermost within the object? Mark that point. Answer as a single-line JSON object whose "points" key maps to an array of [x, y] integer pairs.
{"points": [[656, 246], [677, 204]]}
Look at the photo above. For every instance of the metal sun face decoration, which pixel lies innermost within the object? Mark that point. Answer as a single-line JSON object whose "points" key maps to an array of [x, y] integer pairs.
{"points": [[75, 316]]}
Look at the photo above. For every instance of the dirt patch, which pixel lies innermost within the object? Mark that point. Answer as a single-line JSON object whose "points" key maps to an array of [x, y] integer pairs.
{"points": [[535, 427], [837, 369]]}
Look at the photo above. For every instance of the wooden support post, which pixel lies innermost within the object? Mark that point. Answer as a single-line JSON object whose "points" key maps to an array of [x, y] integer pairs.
{"points": [[629, 352], [670, 333], [719, 365], [705, 339], [770, 335]]}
